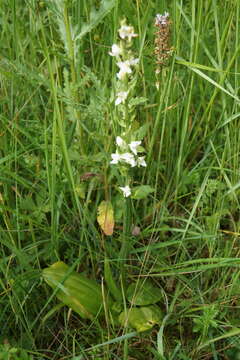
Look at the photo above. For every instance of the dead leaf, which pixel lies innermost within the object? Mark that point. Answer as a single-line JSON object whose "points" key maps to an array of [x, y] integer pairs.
{"points": [[105, 217]]}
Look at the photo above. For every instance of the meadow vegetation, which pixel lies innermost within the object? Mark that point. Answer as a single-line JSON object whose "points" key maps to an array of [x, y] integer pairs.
{"points": [[90, 131]]}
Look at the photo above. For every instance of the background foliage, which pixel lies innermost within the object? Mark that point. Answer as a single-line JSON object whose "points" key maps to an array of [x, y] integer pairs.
{"points": [[56, 137]]}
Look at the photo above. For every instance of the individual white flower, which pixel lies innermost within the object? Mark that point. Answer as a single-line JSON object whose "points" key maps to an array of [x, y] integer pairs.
{"points": [[121, 97], [141, 161], [161, 19], [120, 142], [126, 190], [125, 68], [129, 159], [126, 32], [115, 158], [116, 50], [133, 146], [133, 62]]}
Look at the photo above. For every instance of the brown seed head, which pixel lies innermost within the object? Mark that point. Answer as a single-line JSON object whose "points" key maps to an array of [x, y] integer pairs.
{"points": [[162, 36]]}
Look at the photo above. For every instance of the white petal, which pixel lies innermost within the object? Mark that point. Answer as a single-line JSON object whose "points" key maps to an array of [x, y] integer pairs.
{"points": [[124, 66], [133, 146], [121, 75], [134, 61], [141, 161], [126, 190], [118, 101], [129, 159], [116, 50], [126, 32], [115, 158], [120, 142], [121, 97]]}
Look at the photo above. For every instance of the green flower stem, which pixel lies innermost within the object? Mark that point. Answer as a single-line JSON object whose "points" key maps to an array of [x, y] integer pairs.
{"points": [[124, 251]]}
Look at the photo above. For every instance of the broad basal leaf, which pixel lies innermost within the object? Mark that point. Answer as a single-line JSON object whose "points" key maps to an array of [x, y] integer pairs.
{"points": [[81, 294], [141, 318]]}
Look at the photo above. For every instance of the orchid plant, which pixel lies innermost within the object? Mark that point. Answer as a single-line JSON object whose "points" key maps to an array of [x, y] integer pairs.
{"points": [[129, 151]]}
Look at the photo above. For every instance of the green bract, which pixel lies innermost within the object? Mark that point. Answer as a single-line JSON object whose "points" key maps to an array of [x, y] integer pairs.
{"points": [[75, 290]]}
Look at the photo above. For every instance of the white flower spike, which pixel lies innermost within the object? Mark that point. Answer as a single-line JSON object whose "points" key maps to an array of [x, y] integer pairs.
{"points": [[133, 146], [121, 97], [116, 50], [126, 191], [127, 32]]}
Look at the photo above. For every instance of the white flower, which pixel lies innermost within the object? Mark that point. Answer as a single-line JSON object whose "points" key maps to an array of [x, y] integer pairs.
{"points": [[161, 19], [133, 146], [129, 159], [124, 67], [115, 158], [126, 32], [116, 50], [120, 142], [121, 97], [133, 62], [141, 161], [126, 191], [126, 157]]}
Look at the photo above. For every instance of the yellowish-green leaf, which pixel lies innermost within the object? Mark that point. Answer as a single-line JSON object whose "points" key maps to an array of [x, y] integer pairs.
{"points": [[141, 318], [105, 217], [81, 294]]}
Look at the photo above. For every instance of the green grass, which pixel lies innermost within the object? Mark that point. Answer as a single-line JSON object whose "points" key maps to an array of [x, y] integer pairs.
{"points": [[58, 122]]}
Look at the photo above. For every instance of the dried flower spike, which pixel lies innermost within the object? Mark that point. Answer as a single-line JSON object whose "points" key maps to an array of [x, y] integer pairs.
{"points": [[162, 35], [162, 19]]}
